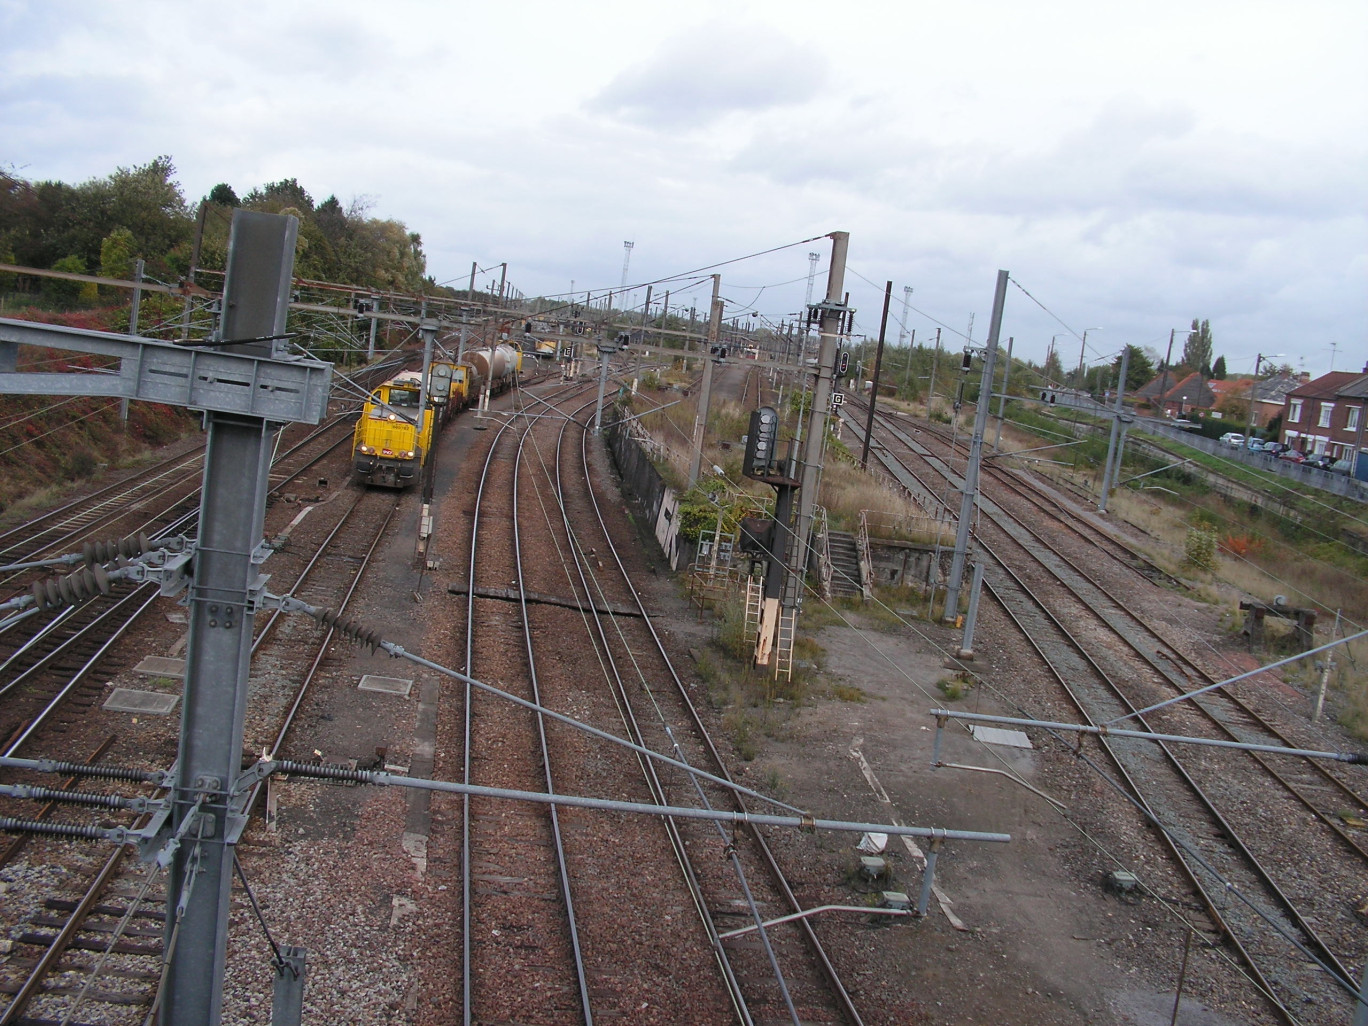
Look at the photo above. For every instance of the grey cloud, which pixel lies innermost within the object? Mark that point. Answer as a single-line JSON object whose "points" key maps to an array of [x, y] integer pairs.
{"points": [[697, 77]]}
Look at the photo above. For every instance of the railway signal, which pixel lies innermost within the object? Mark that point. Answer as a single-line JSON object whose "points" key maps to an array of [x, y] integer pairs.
{"points": [[760, 442]]}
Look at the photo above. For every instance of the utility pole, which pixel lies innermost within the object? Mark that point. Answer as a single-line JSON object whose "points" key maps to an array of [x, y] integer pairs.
{"points": [[874, 382], [470, 292], [503, 277], [907, 371], [1253, 386], [833, 314], [1082, 384], [1163, 378], [812, 277], [606, 351], [1002, 398], [705, 395], [194, 267], [1109, 476], [931, 388], [247, 389], [139, 267], [971, 472]]}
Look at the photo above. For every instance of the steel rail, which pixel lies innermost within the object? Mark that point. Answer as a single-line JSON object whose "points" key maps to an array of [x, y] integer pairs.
{"points": [[13, 538], [48, 960], [1137, 793], [535, 684], [648, 768], [814, 943], [1171, 651], [1233, 838], [321, 651], [468, 733], [1202, 703], [148, 593]]}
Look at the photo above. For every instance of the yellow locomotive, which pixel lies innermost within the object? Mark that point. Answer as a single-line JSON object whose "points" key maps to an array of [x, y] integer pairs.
{"points": [[390, 444], [390, 447]]}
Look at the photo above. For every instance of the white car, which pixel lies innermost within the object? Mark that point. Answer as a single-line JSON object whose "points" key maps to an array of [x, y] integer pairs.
{"points": [[1233, 439]]}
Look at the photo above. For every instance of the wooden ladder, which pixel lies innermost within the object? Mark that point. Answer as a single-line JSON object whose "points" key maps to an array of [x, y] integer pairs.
{"points": [[755, 592]]}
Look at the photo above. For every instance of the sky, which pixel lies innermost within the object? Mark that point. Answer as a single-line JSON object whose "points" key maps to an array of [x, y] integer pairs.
{"points": [[1133, 166]]}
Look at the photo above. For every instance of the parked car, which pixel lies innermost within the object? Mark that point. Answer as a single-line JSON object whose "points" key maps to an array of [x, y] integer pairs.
{"points": [[1233, 439], [1255, 445], [1275, 448], [1341, 466], [1320, 460], [1293, 456]]}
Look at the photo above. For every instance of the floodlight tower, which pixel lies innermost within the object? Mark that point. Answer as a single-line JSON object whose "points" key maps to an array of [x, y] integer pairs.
{"points": [[626, 260], [902, 325], [807, 304], [812, 275]]}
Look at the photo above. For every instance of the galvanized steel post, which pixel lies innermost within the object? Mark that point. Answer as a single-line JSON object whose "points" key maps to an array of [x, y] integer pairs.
{"points": [[833, 314], [237, 465], [705, 394], [971, 472]]}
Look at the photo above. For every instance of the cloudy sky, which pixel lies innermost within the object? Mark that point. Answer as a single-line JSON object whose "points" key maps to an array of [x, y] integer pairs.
{"points": [[1133, 166]]}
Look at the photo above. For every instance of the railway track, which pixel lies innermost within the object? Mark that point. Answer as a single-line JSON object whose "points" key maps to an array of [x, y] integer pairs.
{"points": [[1304, 931], [103, 948], [802, 982], [704, 881]]}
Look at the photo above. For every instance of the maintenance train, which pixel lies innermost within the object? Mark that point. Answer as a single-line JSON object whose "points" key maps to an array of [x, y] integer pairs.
{"points": [[390, 446]]}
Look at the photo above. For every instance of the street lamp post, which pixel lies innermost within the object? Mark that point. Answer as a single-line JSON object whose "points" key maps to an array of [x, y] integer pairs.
{"points": [[1082, 354], [1168, 360], [1253, 384], [1048, 354]]}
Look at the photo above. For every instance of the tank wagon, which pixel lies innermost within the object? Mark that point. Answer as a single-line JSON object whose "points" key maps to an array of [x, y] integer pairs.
{"points": [[391, 443]]}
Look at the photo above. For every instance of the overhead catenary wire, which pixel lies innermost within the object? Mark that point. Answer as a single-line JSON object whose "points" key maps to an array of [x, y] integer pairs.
{"points": [[1277, 927]]}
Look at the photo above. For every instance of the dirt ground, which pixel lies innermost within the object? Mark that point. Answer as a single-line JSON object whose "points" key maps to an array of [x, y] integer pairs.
{"points": [[1022, 932]]}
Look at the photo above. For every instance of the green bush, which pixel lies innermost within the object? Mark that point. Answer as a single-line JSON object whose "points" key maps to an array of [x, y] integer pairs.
{"points": [[1200, 548]]}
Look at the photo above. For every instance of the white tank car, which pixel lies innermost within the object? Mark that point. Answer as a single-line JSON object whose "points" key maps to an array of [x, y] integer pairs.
{"points": [[498, 366]]}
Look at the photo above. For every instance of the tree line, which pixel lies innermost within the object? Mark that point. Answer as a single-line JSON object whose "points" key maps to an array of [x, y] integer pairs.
{"points": [[103, 225]]}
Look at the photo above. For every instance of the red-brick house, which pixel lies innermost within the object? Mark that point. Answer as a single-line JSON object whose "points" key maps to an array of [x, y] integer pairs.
{"points": [[1326, 415], [1187, 395]]}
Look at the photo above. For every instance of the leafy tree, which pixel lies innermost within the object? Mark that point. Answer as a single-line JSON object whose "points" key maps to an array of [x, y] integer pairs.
{"points": [[1218, 369], [7, 279], [149, 201], [273, 197], [1140, 370], [1197, 348], [224, 196], [69, 291], [117, 253], [1053, 370]]}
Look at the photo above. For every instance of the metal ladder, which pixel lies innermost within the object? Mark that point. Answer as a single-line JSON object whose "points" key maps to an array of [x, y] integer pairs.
{"points": [[783, 648]]}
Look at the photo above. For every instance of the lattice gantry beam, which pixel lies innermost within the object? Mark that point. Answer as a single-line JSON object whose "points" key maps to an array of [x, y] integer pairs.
{"points": [[293, 390]]}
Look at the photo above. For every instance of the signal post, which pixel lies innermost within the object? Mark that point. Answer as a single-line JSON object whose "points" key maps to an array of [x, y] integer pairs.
{"points": [[760, 464]]}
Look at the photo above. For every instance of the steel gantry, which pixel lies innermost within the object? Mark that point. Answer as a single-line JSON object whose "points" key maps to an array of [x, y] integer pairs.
{"points": [[248, 385]]}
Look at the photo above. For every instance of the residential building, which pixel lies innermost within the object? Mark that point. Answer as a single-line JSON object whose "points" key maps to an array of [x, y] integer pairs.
{"points": [[1326, 415]]}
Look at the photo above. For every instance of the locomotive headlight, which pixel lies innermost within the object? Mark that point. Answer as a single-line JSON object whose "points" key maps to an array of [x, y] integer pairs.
{"points": [[365, 449], [393, 417]]}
